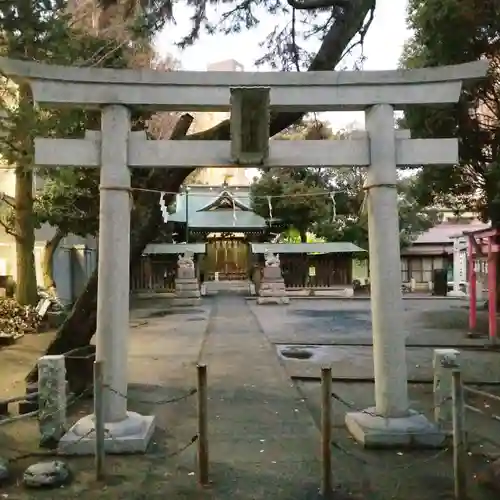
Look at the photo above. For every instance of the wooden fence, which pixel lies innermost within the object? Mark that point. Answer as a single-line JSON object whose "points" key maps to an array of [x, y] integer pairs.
{"points": [[316, 271], [154, 274]]}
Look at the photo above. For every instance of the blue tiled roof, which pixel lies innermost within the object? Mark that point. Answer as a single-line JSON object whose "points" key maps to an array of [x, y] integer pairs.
{"points": [[332, 247], [201, 198]]}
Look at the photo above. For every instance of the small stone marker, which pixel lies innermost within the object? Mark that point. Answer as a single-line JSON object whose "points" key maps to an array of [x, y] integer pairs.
{"points": [[51, 399], [47, 475], [443, 363]]}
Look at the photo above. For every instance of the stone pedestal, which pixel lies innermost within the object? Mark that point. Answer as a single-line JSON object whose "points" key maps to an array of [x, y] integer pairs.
{"points": [[413, 430], [130, 435], [187, 290], [272, 287]]}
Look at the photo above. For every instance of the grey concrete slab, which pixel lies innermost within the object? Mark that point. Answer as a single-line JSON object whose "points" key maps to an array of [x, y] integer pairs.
{"points": [[356, 363], [437, 322]]}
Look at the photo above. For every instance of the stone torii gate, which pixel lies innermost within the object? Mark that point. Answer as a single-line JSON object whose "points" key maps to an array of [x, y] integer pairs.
{"points": [[249, 96]]}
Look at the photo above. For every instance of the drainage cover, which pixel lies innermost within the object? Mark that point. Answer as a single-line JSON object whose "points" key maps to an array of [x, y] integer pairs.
{"points": [[296, 353]]}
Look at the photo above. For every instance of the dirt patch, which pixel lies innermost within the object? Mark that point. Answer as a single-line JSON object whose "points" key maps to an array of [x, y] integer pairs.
{"points": [[16, 361]]}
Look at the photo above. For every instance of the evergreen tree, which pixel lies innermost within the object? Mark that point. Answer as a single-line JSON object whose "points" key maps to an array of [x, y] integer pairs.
{"points": [[46, 31]]}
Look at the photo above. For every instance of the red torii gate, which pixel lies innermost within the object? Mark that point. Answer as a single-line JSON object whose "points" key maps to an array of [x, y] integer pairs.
{"points": [[482, 243]]}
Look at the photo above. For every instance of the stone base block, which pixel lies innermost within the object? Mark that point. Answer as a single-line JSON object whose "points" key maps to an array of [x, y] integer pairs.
{"points": [[131, 435], [186, 274], [188, 286], [187, 294], [412, 431], [456, 293], [272, 293], [272, 273], [272, 280], [186, 301], [272, 288], [273, 299]]}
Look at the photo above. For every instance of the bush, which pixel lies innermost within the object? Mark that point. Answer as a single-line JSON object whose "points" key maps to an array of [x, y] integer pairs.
{"points": [[16, 320]]}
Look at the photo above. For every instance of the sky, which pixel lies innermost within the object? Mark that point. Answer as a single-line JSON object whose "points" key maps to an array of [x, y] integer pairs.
{"points": [[383, 46]]}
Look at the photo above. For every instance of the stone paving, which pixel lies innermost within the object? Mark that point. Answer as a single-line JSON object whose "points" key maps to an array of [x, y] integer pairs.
{"points": [[263, 428], [347, 322], [263, 440], [338, 333]]}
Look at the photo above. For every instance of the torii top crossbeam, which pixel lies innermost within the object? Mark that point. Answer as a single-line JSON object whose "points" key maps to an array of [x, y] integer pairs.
{"points": [[197, 90]]}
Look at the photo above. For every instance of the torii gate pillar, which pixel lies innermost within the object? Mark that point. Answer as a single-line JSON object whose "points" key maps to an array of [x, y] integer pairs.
{"points": [[391, 422], [126, 431]]}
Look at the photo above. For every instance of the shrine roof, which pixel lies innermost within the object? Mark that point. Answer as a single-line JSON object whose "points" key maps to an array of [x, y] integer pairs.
{"points": [[445, 233], [211, 207], [330, 247], [174, 248]]}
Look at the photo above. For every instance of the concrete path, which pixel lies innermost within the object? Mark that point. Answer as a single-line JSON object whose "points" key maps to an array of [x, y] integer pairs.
{"points": [[262, 437], [263, 441]]}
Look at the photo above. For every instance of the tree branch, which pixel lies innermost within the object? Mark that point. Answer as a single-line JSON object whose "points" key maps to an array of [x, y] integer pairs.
{"points": [[8, 229], [8, 200], [347, 24], [182, 126], [317, 4]]}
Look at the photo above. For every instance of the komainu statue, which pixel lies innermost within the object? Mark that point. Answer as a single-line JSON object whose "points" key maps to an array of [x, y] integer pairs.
{"points": [[186, 260], [271, 259]]}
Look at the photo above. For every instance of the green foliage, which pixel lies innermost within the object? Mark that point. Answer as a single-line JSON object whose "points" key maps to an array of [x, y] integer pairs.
{"points": [[69, 201], [301, 199], [42, 30], [454, 32], [294, 199], [351, 223]]}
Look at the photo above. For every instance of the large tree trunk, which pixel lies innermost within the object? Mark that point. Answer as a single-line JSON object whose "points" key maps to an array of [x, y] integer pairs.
{"points": [[24, 227], [26, 290], [48, 260], [79, 327]]}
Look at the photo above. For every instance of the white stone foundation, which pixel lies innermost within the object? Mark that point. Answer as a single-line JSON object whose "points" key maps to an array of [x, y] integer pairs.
{"points": [[131, 435], [412, 431]]}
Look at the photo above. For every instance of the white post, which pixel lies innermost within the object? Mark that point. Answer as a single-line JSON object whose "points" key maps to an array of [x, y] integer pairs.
{"points": [[114, 255], [391, 392]]}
